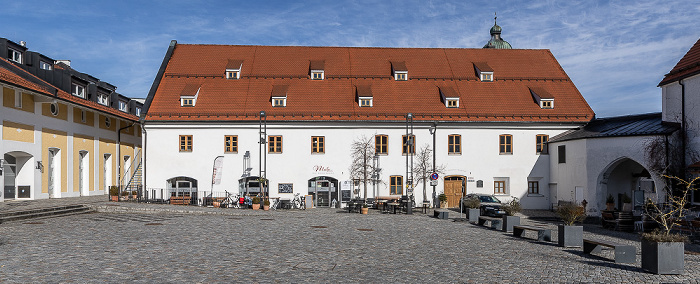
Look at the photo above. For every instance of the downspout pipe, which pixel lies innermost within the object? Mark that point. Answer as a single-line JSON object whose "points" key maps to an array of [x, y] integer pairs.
{"points": [[683, 131]]}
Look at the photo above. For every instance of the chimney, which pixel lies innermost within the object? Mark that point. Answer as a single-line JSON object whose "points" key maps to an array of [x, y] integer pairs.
{"points": [[23, 43]]}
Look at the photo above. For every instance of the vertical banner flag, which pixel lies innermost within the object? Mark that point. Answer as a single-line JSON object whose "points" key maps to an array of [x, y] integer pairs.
{"points": [[218, 164]]}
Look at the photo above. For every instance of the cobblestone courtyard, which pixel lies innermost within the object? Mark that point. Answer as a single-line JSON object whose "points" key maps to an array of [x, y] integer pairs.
{"points": [[317, 245]]}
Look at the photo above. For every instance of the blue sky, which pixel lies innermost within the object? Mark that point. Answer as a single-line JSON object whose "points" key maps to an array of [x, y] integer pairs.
{"points": [[616, 52]]}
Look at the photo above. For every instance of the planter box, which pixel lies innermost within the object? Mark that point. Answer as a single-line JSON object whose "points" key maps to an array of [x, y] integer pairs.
{"points": [[509, 222], [570, 236], [473, 215], [663, 257]]}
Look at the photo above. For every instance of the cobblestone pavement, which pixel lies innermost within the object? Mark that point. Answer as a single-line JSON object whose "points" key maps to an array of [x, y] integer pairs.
{"points": [[165, 243]]}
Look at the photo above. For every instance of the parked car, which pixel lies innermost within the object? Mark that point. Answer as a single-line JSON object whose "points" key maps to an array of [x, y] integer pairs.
{"points": [[490, 205]]}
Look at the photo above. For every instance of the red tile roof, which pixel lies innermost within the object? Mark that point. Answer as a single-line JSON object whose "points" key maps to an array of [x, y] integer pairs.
{"points": [[508, 98], [23, 79], [688, 66]]}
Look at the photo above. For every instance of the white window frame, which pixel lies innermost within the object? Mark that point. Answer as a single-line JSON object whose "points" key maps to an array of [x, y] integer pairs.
{"points": [[138, 111], [233, 74], [15, 55], [123, 106], [102, 99], [18, 99], [317, 72], [544, 102], [188, 101], [45, 65], [77, 90], [447, 102], [283, 101], [401, 75], [486, 76], [361, 99]]}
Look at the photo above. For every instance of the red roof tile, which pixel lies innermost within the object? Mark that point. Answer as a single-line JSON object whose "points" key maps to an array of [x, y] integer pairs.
{"points": [[688, 66], [349, 70]]}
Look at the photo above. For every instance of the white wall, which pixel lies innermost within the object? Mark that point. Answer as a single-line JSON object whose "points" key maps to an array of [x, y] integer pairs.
{"points": [[480, 156]]}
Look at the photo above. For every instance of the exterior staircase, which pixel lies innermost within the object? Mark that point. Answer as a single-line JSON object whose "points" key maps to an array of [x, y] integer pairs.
{"points": [[135, 181], [48, 212]]}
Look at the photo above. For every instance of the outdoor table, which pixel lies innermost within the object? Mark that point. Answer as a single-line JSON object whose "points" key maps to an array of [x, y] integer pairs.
{"points": [[394, 205]]}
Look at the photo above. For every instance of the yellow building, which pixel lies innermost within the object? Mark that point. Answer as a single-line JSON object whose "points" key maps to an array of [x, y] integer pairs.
{"points": [[64, 133]]}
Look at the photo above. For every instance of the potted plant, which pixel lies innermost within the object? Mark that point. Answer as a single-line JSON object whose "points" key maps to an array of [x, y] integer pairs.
{"points": [[663, 251], [114, 193], [134, 195], [443, 200], [626, 203], [365, 209], [569, 234], [125, 195], [256, 203], [473, 205], [266, 204], [510, 220], [610, 203]]}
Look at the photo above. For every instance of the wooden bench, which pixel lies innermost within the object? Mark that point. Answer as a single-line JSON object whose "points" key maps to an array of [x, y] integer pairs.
{"points": [[180, 200], [496, 223], [441, 213], [543, 234], [623, 253]]}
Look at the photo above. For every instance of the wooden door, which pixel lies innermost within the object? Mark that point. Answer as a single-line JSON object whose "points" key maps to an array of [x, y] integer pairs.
{"points": [[453, 191]]}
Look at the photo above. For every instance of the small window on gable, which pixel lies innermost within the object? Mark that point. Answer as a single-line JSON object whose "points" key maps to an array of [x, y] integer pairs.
{"points": [[14, 55], [83, 116], [78, 90], [233, 69], [279, 95], [364, 96], [45, 65], [18, 99], [483, 71], [453, 103], [189, 95], [544, 99], [316, 68], [399, 70]]}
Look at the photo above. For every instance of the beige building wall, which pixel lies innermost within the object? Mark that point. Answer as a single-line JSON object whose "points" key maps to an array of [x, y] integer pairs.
{"points": [[17, 131], [126, 149], [9, 100], [108, 147], [54, 139], [112, 123], [83, 143], [78, 117], [62, 111]]}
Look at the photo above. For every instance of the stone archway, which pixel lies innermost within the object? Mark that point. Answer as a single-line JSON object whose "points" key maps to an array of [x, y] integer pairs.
{"points": [[18, 175], [625, 176]]}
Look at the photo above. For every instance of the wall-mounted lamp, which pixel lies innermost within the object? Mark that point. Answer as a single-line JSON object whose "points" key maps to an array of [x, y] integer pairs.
{"points": [[40, 166]]}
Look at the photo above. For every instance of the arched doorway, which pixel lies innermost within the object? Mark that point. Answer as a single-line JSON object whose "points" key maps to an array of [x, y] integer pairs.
{"points": [[625, 177], [84, 173], [324, 190], [251, 186], [455, 188], [18, 175], [183, 186], [54, 172]]}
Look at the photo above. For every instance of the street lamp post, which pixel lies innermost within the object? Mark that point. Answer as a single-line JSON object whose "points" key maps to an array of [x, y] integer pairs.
{"points": [[409, 156], [433, 130]]}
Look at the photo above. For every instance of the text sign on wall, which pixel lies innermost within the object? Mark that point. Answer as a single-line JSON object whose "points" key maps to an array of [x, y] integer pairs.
{"points": [[322, 170], [285, 188]]}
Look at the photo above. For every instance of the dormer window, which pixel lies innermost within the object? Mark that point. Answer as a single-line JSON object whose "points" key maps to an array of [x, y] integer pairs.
{"points": [[449, 96], [45, 65], [14, 55], [316, 68], [189, 95], [102, 99], [547, 103], [543, 98], [78, 90], [279, 95], [123, 106], [187, 101], [483, 71], [138, 111], [233, 69], [399, 70], [364, 96]]}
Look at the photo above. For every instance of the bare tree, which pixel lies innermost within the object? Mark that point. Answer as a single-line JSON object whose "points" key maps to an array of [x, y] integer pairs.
{"points": [[362, 166], [423, 167]]}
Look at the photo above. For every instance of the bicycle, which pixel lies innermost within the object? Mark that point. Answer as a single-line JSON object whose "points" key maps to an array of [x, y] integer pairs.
{"points": [[230, 201], [299, 202], [275, 204]]}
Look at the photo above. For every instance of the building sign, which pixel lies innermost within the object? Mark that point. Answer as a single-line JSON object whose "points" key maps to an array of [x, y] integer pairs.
{"points": [[322, 170], [216, 175], [285, 188], [470, 179]]}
